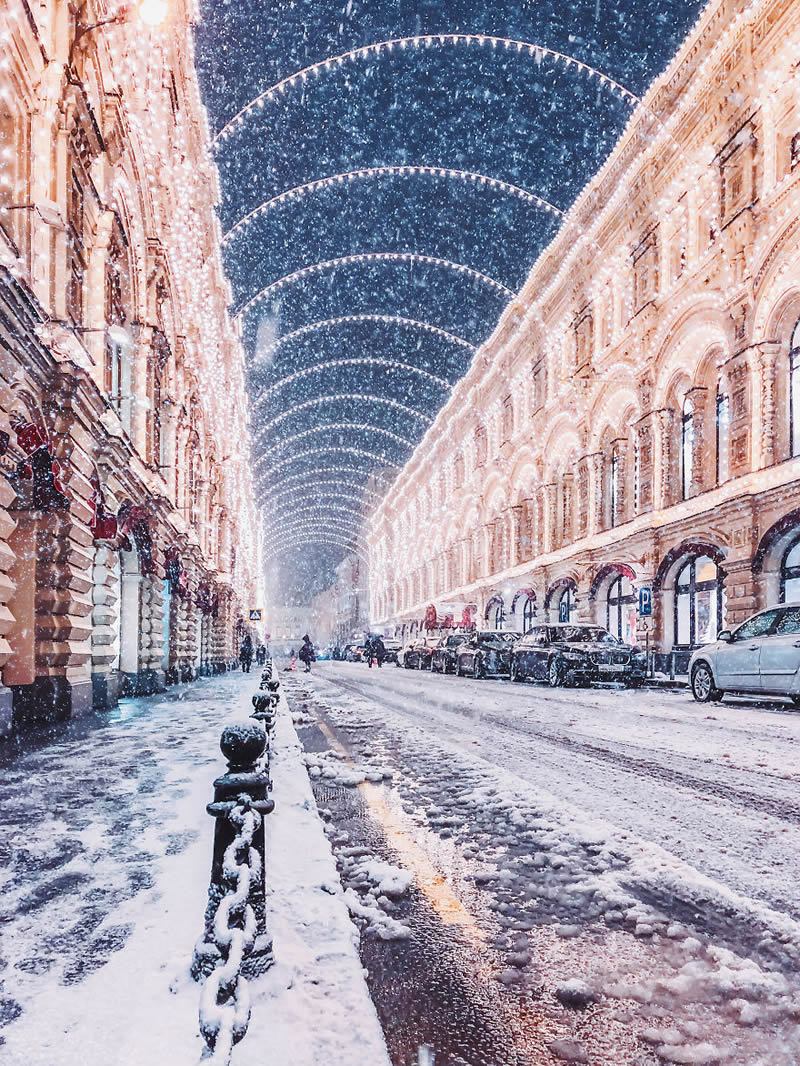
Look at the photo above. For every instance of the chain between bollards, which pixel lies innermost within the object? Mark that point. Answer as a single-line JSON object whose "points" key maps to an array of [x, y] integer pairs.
{"points": [[236, 944]]}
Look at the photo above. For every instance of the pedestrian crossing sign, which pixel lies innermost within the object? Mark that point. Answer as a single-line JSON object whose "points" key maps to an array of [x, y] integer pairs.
{"points": [[255, 614]]}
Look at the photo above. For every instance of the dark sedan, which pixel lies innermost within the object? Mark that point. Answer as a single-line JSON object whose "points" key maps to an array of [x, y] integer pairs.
{"points": [[443, 660], [486, 653], [417, 656], [568, 653]]}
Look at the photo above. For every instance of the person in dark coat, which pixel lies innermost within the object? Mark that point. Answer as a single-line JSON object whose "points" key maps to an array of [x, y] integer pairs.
{"points": [[307, 652], [378, 651], [246, 653], [261, 655]]}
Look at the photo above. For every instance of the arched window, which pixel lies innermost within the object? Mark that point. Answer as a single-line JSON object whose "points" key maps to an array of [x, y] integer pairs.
{"points": [[790, 574], [698, 602], [794, 391], [723, 435], [687, 448], [499, 615], [528, 614], [621, 610], [566, 605]]}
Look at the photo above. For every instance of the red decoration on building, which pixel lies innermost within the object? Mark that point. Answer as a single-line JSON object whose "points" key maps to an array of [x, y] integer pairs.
{"points": [[430, 617], [207, 599], [40, 466], [104, 526], [176, 574], [132, 519]]}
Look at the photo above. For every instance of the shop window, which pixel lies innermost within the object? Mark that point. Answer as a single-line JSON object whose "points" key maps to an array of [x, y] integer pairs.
{"points": [[790, 574], [698, 602], [794, 391], [528, 614], [499, 615], [621, 610], [687, 448], [723, 437]]}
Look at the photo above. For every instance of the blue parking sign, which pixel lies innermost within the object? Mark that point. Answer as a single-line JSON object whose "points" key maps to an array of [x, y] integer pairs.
{"points": [[645, 601]]}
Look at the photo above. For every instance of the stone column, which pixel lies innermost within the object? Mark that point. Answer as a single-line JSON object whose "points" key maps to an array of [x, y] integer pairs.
{"points": [[665, 467], [765, 442]]}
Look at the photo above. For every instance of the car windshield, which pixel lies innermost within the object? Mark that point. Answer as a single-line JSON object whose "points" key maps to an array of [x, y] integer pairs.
{"points": [[499, 638], [453, 642], [583, 635]]}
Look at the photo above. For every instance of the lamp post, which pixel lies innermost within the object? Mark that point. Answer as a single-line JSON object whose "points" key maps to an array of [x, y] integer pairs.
{"points": [[151, 12]]}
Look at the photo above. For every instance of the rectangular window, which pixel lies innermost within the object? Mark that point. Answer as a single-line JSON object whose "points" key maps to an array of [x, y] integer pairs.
{"points": [[723, 424], [687, 451], [637, 473]]}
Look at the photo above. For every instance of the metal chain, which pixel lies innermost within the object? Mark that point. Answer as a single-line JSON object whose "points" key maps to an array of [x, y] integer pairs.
{"points": [[225, 999]]}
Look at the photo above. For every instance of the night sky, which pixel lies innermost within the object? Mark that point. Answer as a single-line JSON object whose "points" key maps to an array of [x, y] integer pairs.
{"points": [[533, 122]]}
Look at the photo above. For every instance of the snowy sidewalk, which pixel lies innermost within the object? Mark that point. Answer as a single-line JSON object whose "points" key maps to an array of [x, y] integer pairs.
{"points": [[119, 993]]}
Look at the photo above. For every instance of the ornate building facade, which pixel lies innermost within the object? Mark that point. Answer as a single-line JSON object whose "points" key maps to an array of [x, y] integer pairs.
{"points": [[634, 421], [127, 537]]}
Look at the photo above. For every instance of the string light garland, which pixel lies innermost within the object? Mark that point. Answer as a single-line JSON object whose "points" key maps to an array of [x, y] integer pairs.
{"points": [[537, 51], [341, 397], [379, 460], [347, 320], [325, 502], [402, 171], [333, 427], [354, 522], [372, 257], [329, 472], [265, 393], [278, 546]]}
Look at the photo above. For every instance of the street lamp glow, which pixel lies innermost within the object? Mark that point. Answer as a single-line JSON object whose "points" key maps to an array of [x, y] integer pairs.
{"points": [[153, 12]]}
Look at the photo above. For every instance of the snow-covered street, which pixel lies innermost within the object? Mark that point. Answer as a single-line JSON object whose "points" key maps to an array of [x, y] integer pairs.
{"points": [[634, 846]]}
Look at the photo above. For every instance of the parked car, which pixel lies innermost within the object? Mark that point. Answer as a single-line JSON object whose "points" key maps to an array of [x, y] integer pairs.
{"points": [[418, 654], [573, 653], [762, 655], [393, 649], [354, 653], [486, 653], [443, 660]]}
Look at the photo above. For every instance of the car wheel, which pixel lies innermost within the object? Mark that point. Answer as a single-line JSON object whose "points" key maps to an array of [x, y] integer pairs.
{"points": [[703, 688], [555, 673], [796, 701], [516, 674]]}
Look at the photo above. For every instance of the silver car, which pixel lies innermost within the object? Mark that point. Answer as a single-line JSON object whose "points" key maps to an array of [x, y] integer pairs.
{"points": [[761, 656]]}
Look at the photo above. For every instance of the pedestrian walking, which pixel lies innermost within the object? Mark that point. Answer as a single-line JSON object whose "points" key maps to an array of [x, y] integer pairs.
{"points": [[307, 653], [246, 653], [378, 650], [261, 655]]}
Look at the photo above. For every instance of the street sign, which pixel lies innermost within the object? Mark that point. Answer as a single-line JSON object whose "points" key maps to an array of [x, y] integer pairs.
{"points": [[255, 614], [645, 601]]}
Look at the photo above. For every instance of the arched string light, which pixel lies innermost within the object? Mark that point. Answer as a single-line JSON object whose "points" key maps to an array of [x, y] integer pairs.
{"points": [[373, 257], [294, 492], [278, 546], [362, 453], [333, 427], [480, 40], [317, 505], [352, 525], [402, 171], [339, 479], [346, 320], [341, 397], [331, 471], [352, 361]]}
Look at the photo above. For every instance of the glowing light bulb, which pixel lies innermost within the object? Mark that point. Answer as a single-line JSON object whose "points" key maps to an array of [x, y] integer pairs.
{"points": [[153, 12]]}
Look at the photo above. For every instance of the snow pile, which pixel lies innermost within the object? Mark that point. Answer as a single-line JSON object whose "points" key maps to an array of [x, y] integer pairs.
{"points": [[372, 889], [330, 767]]}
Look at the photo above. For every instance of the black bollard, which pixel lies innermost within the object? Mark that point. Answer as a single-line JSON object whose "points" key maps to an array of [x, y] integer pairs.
{"points": [[242, 744]]}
